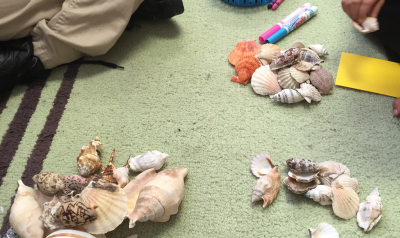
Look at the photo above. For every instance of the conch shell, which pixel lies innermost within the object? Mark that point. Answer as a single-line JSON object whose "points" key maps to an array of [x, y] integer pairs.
{"points": [[321, 194], [322, 79], [267, 187], [369, 25], [345, 202], [261, 165], [88, 159], [154, 159], [286, 80], [323, 230], [309, 92], [122, 175], [287, 96], [244, 49], [49, 183], [268, 53], [245, 68], [319, 49], [160, 197], [299, 166], [299, 188], [287, 58], [25, 212], [265, 82], [370, 211]]}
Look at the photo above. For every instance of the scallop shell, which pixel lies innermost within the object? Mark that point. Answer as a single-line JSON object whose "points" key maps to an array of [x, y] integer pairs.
{"points": [[75, 213], [345, 202], [370, 211], [88, 160], [267, 187], [122, 175], [299, 76], [245, 68], [309, 92], [285, 79], [298, 45], [264, 81], [112, 205], [299, 166], [160, 197], [287, 58], [321, 194], [329, 170], [287, 96], [107, 174], [345, 180], [319, 49], [370, 24], [299, 188], [73, 233], [74, 183], [322, 79], [244, 49], [269, 52], [303, 177], [323, 230], [49, 183], [261, 165], [154, 159]]}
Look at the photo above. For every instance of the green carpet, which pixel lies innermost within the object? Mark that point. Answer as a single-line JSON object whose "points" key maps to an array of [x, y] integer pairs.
{"points": [[175, 96]]}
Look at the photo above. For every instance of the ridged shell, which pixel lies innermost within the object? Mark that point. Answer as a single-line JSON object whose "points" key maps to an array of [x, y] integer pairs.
{"points": [[299, 76], [329, 170], [345, 180], [269, 52], [154, 159], [322, 79], [321, 194], [244, 49], [88, 160], [287, 58], [369, 25], [299, 188], [323, 230], [285, 79], [261, 165], [267, 187], [319, 49], [297, 44], [49, 183], [309, 92], [245, 68], [370, 211], [299, 166], [287, 96], [303, 177], [72, 233], [345, 202], [265, 82]]}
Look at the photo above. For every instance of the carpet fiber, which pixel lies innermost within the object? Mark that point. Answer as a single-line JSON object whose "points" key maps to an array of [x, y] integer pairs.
{"points": [[175, 96]]}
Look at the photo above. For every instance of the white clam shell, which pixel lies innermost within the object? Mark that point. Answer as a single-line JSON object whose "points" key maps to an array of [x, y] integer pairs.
{"points": [[154, 159], [370, 211], [267, 187], [261, 165], [287, 96], [369, 25], [285, 79], [319, 49], [265, 81], [303, 177], [321, 194], [345, 202], [323, 230], [309, 92], [299, 76]]}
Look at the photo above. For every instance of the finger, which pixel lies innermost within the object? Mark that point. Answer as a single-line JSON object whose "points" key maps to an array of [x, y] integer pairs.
{"points": [[346, 5], [396, 107], [364, 9], [355, 8], [376, 8]]}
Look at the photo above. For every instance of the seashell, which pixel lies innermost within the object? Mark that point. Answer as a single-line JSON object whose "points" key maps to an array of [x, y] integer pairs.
{"points": [[49, 183], [287, 96], [322, 79], [310, 56], [245, 68], [298, 45], [304, 66], [319, 49], [133, 188], [25, 212], [370, 211], [299, 76], [299, 166], [344, 180], [122, 175], [267, 187], [287, 58], [75, 183], [154, 159], [263, 62], [285, 79], [244, 49], [370, 24], [304, 177], [88, 160], [261, 165], [264, 81], [73, 233], [75, 213], [112, 205], [309, 92], [323, 230], [269, 52], [329, 170], [107, 174], [50, 219], [160, 197], [299, 188], [345, 202], [321, 194]]}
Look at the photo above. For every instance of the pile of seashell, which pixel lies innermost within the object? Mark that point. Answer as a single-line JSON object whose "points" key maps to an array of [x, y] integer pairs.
{"points": [[288, 76], [81, 203]]}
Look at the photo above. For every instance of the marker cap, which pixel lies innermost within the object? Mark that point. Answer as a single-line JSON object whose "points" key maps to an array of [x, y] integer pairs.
{"points": [[269, 33], [277, 36]]}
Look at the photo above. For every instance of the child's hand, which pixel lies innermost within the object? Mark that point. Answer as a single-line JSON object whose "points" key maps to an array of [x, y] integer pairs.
{"points": [[358, 10], [396, 107]]}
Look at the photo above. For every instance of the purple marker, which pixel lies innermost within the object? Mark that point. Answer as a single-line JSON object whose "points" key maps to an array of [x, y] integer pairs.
{"points": [[285, 21], [271, 4]]}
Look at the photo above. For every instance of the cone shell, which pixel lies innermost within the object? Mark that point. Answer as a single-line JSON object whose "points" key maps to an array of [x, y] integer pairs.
{"points": [[245, 68], [299, 188], [309, 92], [49, 183], [154, 159], [265, 82], [369, 25], [322, 79], [321, 194], [287, 58], [285, 79], [88, 160], [319, 49], [323, 230], [261, 165], [269, 52], [244, 49], [345, 180], [73, 233], [370, 211], [345, 202], [298, 45], [303, 177], [299, 166], [75, 213], [287, 96], [267, 187], [299, 76]]}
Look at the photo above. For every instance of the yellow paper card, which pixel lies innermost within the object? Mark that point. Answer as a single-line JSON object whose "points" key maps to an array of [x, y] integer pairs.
{"points": [[369, 74]]}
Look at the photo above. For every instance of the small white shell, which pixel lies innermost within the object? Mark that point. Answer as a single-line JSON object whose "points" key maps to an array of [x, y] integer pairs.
{"points": [[303, 177], [265, 82], [319, 49], [369, 25], [321, 194], [285, 79], [261, 164], [309, 92], [154, 159], [299, 76], [323, 230], [370, 211], [287, 96]]}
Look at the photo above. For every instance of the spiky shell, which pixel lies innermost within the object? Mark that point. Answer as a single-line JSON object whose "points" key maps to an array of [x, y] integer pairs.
{"points": [[322, 79], [299, 166], [298, 45], [321, 194], [88, 160], [345, 202], [267, 187], [287, 58], [299, 76], [269, 52], [323, 230], [245, 68], [370, 211], [319, 49], [309, 92], [299, 188], [154, 159], [344, 180], [244, 49], [49, 183], [285, 79], [261, 165], [369, 25], [303, 177], [265, 82]]}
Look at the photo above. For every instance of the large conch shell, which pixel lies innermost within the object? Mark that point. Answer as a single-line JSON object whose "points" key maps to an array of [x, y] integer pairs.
{"points": [[322, 79], [323, 230], [309, 92], [319, 49], [287, 96], [370, 211], [299, 188], [122, 175], [287, 58], [285, 79], [49, 183], [329, 170], [244, 49], [160, 197], [261, 165], [154, 159], [370, 24], [267, 187], [75, 183], [321, 194], [268, 53], [245, 68], [265, 81], [345, 202], [299, 166], [25, 212], [88, 160]]}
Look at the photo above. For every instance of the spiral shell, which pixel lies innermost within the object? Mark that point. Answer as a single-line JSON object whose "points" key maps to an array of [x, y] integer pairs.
{"points": [[285, 79], [319, 49], [154, 159], [299, 188], [299, 76], [309, 92], [310, 56], [88, 160], [49, 183], [269, 52], [287, 58], [322, 79], [244, 49], [299, 166], [321, 194], [323, 230], [245, 68], [370, 211], [287, 96], [370, 24], [267, 187], [264, 81]]}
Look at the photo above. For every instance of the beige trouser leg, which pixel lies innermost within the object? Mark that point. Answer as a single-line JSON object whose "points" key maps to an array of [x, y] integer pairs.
{"points": [[66, 30]]}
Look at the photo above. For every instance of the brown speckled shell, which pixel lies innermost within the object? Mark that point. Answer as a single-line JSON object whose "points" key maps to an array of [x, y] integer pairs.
{"points": [[49, 183], [76, 213], [88, 160], [244, 49], [299, 166], [245, 69], [322, 79], [287, 58], [74, 183]]}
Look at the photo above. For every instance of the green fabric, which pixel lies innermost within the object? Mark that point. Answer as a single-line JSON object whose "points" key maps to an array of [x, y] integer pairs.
{"points": [[175, 96]]}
